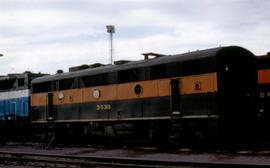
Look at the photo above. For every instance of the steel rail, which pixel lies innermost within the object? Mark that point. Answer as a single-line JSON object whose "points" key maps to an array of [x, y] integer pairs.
{"points": [[85, 161]]}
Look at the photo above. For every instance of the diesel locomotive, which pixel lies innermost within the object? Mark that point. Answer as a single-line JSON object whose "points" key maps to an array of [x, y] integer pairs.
{"points": [[15, 103], [201, 94]]}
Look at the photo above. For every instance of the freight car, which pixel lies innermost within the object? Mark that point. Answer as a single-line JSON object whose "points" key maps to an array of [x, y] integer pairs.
{"points": [[201, 94], [263, 95], [15, 104]]}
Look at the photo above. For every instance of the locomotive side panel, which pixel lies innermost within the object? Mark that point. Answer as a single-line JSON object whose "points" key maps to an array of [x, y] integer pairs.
{"points": [[115, 102], [196, 93], [39, 107], [15, 104]]}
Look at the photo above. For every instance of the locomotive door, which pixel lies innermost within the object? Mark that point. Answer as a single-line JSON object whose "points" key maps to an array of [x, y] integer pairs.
{"points": [[13, 111], [50, 106], [11, 118], [175, 97], [175, 108]]}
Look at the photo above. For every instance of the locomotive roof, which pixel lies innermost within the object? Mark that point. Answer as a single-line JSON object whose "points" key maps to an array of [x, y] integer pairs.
{"points": [[195, 55], [20, 75], [262, 57], [263, 61]]}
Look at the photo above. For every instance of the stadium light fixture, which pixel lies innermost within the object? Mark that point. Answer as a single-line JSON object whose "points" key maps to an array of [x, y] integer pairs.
{"points": [[111, 30]]}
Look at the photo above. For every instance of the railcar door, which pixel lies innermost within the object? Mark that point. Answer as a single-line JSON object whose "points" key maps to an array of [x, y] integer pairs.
{"points": [[175, 107], [11, 118], [50, 107], [13, 110], [175, 97]]}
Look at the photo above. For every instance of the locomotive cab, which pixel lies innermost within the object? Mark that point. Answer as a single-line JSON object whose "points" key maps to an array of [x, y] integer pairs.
{"points": [[236, 91]]}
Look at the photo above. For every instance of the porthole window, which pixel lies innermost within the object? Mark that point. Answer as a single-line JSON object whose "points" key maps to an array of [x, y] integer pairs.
{"points": [[197, 85], [138, 89]]}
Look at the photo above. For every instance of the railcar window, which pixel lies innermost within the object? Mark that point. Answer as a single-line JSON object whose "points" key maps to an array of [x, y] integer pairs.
{"points": [[136, 75], [7, 84], [110, 78], [66, 84], [55, 85], [29, 82], [20, 82], [81, 83], [124, 76], [42, 87], [174, 69], [92, 80], [158, 71], [131, 75], [191, 67], [208, 65]]}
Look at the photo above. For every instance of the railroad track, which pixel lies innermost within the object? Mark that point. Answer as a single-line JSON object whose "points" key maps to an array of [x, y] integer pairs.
{"points": [[45, 160]]}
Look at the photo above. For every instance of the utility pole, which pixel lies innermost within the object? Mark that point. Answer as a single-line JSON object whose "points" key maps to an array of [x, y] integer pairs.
{"points": [[111, 30]]}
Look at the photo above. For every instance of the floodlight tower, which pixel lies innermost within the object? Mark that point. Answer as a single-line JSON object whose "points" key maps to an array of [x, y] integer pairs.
{"points": [[111, 30]]}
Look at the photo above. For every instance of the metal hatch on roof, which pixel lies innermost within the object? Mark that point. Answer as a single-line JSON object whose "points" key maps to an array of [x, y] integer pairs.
{"points": [[120, 62], [154, 55], [85, 66], [95, 65], [77, 68]]}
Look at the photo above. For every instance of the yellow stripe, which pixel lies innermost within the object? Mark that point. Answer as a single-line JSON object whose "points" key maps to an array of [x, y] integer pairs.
{"points": [[207, 82], [194, 84]]}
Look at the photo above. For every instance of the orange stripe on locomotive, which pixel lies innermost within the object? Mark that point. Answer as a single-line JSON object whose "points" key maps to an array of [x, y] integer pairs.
{"points": [[264, 76], [194, 84]]}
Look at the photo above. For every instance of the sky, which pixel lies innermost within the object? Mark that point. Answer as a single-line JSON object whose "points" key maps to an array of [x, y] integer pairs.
{"points": [[47, 35]]}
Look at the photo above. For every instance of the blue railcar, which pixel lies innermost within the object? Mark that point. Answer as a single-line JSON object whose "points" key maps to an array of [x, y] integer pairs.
{"points": [[14, 108], [15, 104]]}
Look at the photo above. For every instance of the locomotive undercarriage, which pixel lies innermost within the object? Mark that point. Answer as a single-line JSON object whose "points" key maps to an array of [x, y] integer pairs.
{"points": [[160, 132]]}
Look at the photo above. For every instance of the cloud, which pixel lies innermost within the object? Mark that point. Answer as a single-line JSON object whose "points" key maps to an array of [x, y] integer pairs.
{"points": [[56, 34]]}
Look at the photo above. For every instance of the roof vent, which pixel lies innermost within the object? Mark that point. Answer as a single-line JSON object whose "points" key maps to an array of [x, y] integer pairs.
{"points": [[59, 71], [268, 53], [77, 68], [120, 62], [96, 65], [154, 55]]}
